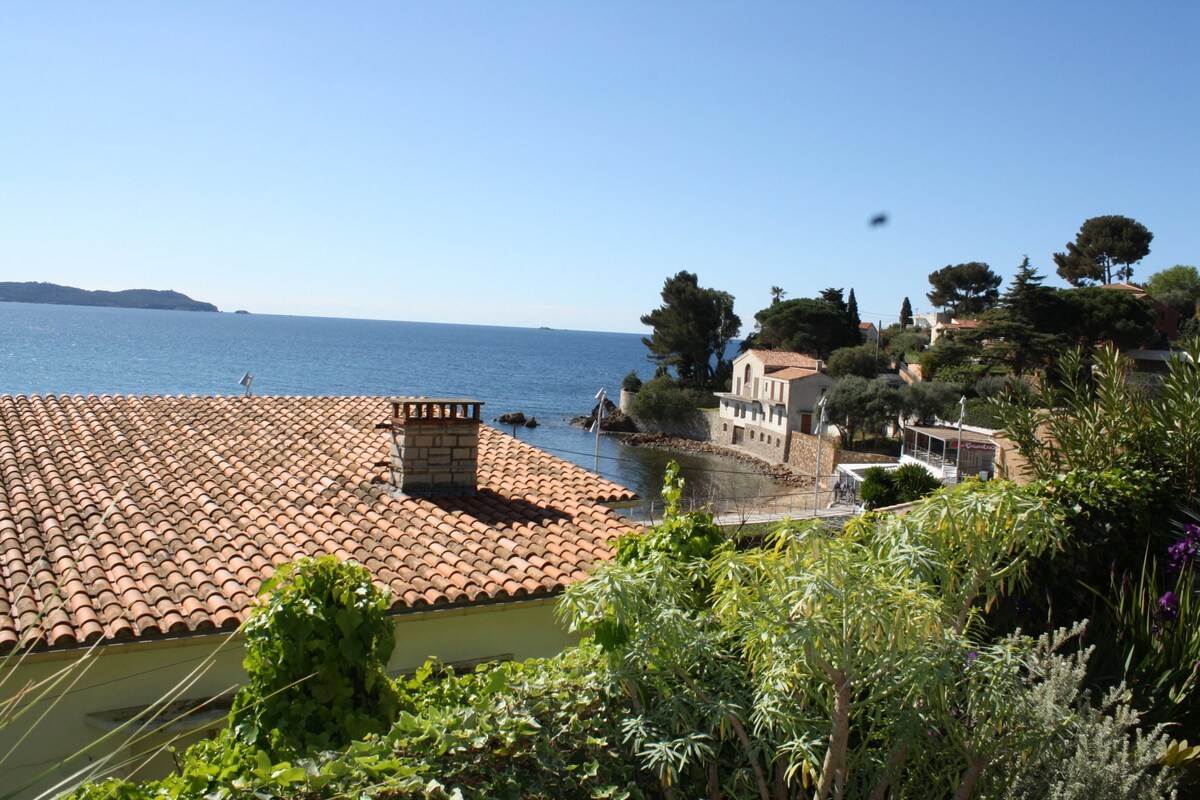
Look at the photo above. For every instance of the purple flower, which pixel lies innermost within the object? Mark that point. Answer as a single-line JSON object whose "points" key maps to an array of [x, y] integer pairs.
{"points": [[1168, 607], [1184, 552]]}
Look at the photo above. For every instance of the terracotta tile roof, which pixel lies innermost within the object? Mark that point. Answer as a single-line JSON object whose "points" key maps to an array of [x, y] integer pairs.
{"points": [[778, 359], [792, 373], [126, 517]]}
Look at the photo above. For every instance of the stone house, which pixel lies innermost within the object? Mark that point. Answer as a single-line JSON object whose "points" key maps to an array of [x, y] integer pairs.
{"points": [[135, 533], [774, 395]]}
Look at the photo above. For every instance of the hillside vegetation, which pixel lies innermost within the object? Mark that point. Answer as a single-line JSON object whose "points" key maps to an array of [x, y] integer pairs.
{"points": [[54, 294]]}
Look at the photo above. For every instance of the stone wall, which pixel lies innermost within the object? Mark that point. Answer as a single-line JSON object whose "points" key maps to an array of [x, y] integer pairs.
{"points": [[802, 455], [700, 426], [852, 457], [439, 456]]}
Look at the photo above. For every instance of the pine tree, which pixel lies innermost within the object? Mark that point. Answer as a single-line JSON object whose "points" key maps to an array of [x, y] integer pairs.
{"points": [[852, 311], [1023, 330]]}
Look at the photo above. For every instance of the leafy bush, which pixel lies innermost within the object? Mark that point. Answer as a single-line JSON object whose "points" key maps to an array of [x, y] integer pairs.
{"points": [[316, 655], [662, 400], [631, 382], [982, 413], [906, 484], [865, 361], [962, 377], [925, 401], [877, 490], [913, 482]]}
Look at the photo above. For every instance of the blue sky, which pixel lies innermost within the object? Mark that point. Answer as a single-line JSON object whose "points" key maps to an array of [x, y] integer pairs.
{"points": [[551, 163]]}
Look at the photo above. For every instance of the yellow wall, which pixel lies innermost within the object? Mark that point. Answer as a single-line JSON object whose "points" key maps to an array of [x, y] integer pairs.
{"points": [[122, 676]]}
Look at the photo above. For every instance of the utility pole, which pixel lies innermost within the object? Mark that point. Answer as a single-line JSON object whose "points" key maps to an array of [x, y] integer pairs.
{"points": [[820, 441], [962, 412]]}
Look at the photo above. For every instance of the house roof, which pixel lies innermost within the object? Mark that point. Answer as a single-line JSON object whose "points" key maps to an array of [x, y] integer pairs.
{"points": [[949, 434], [866, 326], [129, 517], [1128, 288], [779, 359], [793, 373]]}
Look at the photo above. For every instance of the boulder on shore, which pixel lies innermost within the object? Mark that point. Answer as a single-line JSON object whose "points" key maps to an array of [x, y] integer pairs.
{"points": [[614, 421]]}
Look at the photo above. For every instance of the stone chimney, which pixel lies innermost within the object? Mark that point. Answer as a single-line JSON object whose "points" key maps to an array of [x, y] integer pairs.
{"points": [[435, 445]]}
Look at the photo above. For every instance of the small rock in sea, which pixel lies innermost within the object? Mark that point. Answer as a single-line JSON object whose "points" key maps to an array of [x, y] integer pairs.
{"points": [[531, 422], [514, 418]]}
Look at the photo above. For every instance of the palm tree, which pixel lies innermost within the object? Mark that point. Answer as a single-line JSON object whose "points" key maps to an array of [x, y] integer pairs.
{"points": [[777, 294]]}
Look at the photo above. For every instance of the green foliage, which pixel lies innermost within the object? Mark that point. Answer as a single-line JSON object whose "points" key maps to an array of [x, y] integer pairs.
{"points": [[1154, 620], [829, 665], [856, 404], [631, 382], [963, 377], [902, 343], [906, 316], [680, 535], [1093, 315], [1177, 287], [535, 730], [865, 361], [1101, 750], [661, 399], [981, 413], [1104, 251], [964, 290], [1094, 420], [906, 484], [316, 654], [913, 482], [692, 328], [925, 401], [805, 325], [877, 490], [951, 360], [1027, 328]]}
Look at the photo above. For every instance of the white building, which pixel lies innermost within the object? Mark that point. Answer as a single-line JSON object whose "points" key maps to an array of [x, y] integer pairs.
{"points": [[774, 394]]}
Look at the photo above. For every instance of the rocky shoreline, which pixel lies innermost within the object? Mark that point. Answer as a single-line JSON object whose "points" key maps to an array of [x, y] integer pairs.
{"points": [[664, 441]]}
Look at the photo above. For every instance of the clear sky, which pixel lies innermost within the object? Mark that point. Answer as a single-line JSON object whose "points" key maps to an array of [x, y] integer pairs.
{"points": [[551, 163]]}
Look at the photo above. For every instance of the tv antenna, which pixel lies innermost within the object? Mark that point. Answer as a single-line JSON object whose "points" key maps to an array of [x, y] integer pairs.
{"points": [[246, 380]]}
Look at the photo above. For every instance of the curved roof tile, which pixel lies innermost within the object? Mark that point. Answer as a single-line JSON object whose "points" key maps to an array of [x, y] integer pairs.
{"points": [[139, 516]]}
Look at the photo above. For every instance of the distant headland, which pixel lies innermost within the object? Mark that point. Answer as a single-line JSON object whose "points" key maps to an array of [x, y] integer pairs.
{"points": [[52, 293]]}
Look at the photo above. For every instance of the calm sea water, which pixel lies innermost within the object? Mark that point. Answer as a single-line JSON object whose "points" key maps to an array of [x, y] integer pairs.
{"points": [[550, 374]]}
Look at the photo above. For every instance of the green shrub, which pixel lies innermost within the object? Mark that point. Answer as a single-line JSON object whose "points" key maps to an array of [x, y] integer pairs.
{"points": [[912, 482], [877, 490], [631, 382], [983, 414], [906, 484], [316, 654], [962, 376], [661, 399]]}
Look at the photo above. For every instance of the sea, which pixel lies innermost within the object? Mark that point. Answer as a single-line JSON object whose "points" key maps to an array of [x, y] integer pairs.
{"points": [[553, 375]]}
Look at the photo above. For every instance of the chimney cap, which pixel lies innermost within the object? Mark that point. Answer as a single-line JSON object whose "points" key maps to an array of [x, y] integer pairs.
{"points": [[439, 410]]}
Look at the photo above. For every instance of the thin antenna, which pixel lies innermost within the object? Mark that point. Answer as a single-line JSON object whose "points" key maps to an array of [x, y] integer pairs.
{"points": [[601, 397], [246, 380]]}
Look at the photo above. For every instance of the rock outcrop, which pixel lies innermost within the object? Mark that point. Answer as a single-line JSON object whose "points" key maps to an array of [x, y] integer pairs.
{"points": [[614, 421]]}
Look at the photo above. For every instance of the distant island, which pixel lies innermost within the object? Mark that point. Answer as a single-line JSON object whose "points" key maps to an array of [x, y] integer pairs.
{"points": [[52, 293]]}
